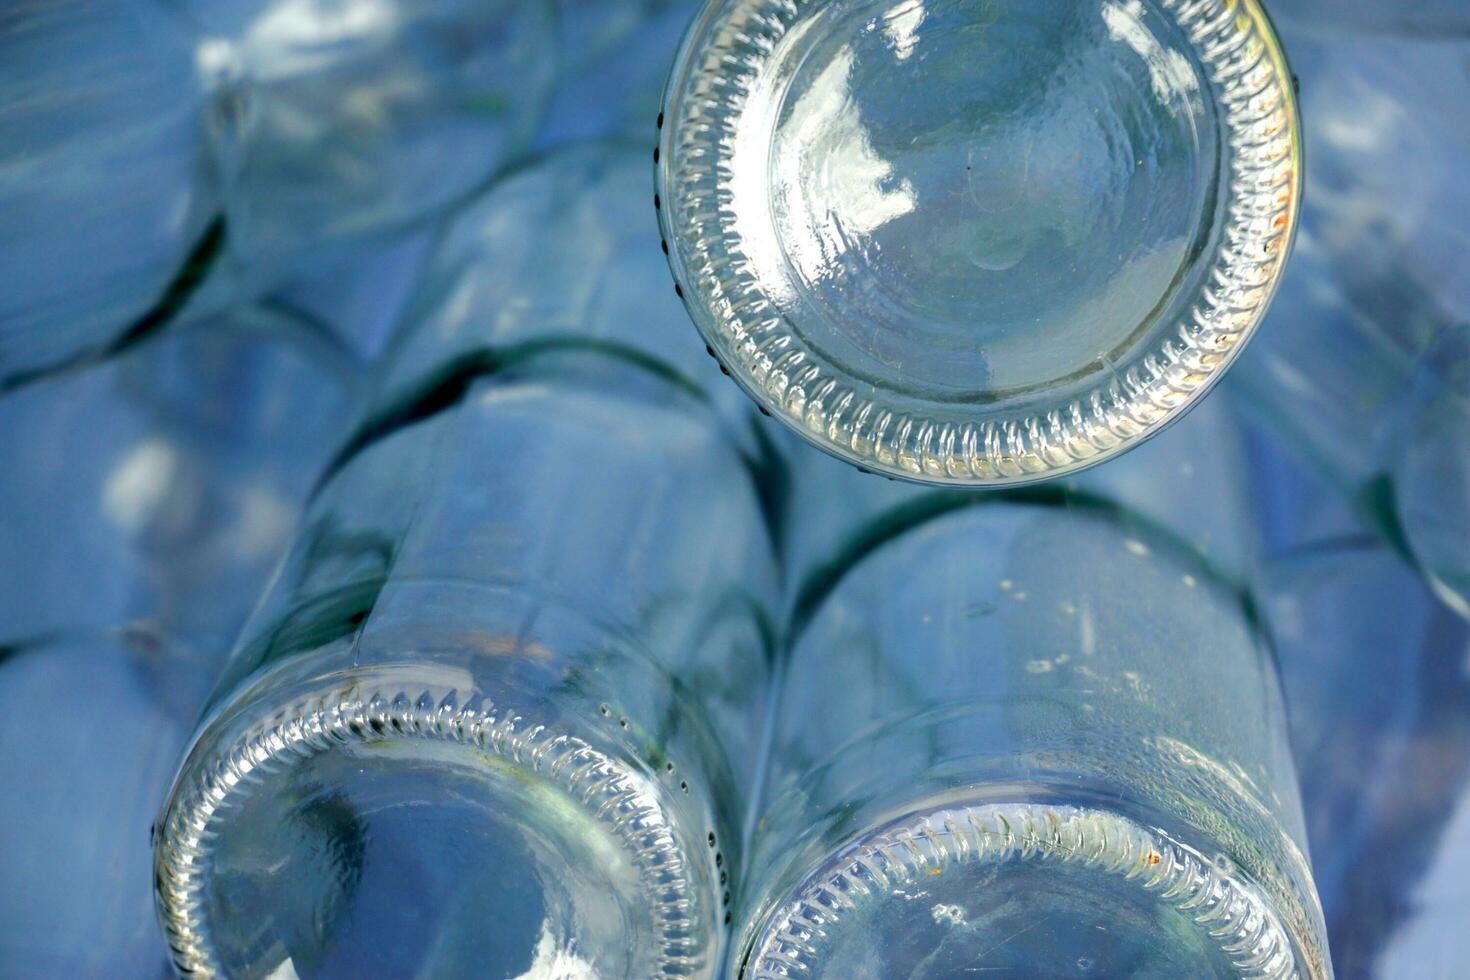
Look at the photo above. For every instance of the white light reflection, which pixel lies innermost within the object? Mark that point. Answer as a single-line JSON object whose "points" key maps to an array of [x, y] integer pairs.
{"points": [[902, 27], [835, 172], [1170, 74], [551, 962], [139, 484]]}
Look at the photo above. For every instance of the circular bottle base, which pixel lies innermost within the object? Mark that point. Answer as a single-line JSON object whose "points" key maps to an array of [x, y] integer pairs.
{"points": [[978, 244], [1036, 889], [385, 825]]}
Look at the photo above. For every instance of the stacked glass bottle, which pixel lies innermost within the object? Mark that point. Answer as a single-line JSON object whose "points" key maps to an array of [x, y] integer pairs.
{"points": [[1036, 731], [165, 159], [513, 671], [146, 502], [978, 244]]}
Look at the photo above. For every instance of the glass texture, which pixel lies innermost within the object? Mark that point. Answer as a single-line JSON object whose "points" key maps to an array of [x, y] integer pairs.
{"points": [[328, 119], [103, 184], [164, 485], [165, 159], [146, 503], [978, 243], [1403, 18], [93, 727], [515, 667], [1380, 723], [1037, 731], [1364, 365], [614, 61]]}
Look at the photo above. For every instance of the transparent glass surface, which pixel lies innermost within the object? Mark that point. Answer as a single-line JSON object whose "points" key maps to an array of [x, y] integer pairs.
{"points": [[146, 502], [1037, 731], [166, 484], [1405, 18], [614, 60], [163, 159], [329, 120], [978, 243], [1379, 725], [359, 296], [103, 181], [93, 726], [565, 249], [502, 706], [1364, 366]]}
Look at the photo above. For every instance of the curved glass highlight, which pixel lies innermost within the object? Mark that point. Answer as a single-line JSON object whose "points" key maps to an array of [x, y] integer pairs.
{"points": [[161, 159], [978, 244], [499, 713], [1037, 732]]}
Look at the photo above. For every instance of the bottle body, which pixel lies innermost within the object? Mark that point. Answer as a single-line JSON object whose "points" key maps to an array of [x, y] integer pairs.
{"points": [[147, 501], [164, 485], [515, 667], [1364, 366], [1056, 744], [240, 140], [528, 623], [1377, 720]]}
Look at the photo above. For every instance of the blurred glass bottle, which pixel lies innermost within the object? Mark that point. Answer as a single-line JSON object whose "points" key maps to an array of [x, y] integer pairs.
{"points": [[978, 244], [614, 61], [163, 157], [1428, 19], [1380, 723], [1033, 731], [146, 502], [515, 665], [165, 485], [1365, 363]]}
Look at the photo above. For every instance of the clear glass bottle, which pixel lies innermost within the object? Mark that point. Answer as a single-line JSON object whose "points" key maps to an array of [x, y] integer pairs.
{"points": [[146, 502], [1364, 366], [1380, 711], [165, 485], [164, 158], [1036, 731], [614, 58], [102, 181], [514, 670], [1427, 19], [978, 243]]}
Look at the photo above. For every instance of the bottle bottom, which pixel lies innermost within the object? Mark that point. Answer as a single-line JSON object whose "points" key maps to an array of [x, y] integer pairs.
{"points": [[1024, 890], [410, 833]]}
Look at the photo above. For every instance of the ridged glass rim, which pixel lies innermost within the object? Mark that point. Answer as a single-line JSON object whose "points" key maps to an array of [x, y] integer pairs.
{"points": [[380, 709], [1231, 911], [1253, 87]]}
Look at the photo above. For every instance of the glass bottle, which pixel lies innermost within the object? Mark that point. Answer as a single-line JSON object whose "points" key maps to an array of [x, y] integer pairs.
{"points": [[102, 180], [146, 502], [1365, 366], [614, 58], [165, 485], [1437, 19], [514, 668], [1036, 731], [163, 160], [978, 244], [1379, 722]]}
